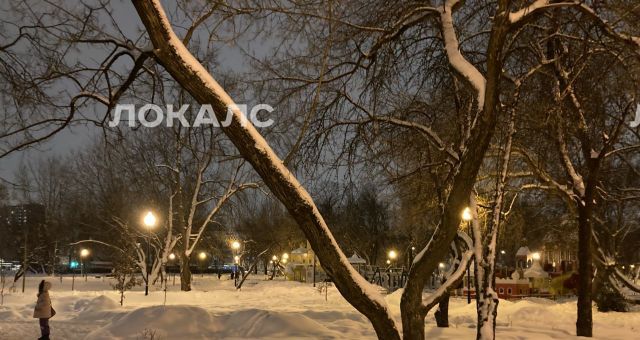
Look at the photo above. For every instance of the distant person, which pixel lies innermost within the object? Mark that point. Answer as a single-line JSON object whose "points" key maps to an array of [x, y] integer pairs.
{"points": [[43, 310]]}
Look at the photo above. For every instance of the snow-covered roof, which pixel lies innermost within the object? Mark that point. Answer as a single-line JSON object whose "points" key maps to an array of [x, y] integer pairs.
{"points": [[535, 271], [523, 251], [355, 259]]}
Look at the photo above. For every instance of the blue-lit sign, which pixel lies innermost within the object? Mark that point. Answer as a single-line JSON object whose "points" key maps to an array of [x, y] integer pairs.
{"points": [[73, 264]]}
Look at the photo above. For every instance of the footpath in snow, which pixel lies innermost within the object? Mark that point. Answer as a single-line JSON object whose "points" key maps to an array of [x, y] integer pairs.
{"points": [[267, 310]]}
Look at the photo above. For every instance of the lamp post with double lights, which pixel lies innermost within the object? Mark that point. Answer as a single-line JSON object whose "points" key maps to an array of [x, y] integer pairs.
{"points": [[467, 216], [149, 222]]}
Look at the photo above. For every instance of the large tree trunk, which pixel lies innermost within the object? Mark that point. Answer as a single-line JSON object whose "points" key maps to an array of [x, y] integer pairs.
{"points": [[442, 313], [185, 273], [584, 324], [413, 312], [193, 77]]}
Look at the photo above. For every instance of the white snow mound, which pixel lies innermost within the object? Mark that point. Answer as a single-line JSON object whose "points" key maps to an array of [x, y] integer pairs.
{"points": [[257, 323], [189, 322], [170, 322]]}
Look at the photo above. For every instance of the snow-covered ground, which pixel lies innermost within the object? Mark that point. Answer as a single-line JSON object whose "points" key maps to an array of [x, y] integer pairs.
{"points": [[267, 309]]}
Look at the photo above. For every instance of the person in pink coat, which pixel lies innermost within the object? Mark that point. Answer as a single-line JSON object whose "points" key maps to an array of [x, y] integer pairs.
{"points": [[43, 310]]}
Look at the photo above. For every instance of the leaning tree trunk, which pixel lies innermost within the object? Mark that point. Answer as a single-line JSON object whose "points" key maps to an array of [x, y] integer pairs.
{"points": [[185, 273], [171, 53], [413, 312]]}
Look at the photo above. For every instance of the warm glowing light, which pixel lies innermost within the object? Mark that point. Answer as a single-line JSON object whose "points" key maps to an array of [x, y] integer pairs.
{"points": [[466, 214], [413, 248], [441, 265], [393, 255], [172, 256], [503, 252], [285, 256], [632, 266], [235, 245], [284, 260], [275, 258], [84, 252], [536, 256], [388, 261], [149, 220], [202, 255], [236, 258]]}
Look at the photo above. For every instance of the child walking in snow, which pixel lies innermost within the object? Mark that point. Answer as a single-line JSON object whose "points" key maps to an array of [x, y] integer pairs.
{"points": [[43, 310]]}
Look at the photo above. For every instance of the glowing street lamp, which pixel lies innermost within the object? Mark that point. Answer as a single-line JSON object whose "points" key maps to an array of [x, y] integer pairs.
{"points": [[202, 256], [149, 221], [467, 215], [236, 259], [235, 245], [172, 256], [285, 256], [535, 256]]}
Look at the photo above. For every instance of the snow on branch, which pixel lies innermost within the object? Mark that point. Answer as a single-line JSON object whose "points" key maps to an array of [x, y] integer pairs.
{"points": [[456, 59], [523, 15], [433, 299]]}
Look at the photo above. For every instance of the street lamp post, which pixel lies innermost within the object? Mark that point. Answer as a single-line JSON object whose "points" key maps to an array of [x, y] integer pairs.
{"points": [[172, 258], [274, 259], [83, 254], [149, 222], [502, 263], [235, 245], [314, 269], [467, 217], [412, 250], [203, 257]]}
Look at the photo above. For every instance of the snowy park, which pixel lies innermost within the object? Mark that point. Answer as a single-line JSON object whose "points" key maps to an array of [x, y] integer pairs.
{"points": [[266, 309]]}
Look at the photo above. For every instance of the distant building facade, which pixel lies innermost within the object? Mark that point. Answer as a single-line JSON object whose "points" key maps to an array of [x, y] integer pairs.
{"points": [[15, 222]]}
